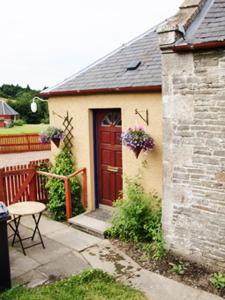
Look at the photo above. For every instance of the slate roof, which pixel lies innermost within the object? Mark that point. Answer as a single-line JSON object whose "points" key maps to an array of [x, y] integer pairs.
{"points": [[209, 25], [110, 72], [5, 109]]}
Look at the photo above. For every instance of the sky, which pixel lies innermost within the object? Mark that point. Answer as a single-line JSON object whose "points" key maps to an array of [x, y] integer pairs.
{"points": [[45, 41]]}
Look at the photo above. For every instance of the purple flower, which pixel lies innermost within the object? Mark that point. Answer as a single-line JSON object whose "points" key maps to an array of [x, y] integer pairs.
{"points": [[51, 133], [137, 138]]}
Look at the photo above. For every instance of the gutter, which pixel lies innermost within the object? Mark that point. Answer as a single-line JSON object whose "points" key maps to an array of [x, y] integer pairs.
{"points": [[136, 89], [199, 46]]}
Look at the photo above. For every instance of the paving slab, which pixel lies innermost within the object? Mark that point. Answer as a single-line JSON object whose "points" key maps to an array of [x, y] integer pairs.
{"points": [[31, 279], [46, 225], [65, 265], [156, 287], [13, 159], [20, 263], [74, 238], [52, 251]]}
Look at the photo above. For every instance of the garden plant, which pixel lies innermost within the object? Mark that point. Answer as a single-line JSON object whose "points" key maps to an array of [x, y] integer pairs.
{"points": [[138, 219], [64, 165]]}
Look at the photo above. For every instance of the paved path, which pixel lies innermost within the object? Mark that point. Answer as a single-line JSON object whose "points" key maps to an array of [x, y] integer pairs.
{"points": [[68, 251], [13, 159]]}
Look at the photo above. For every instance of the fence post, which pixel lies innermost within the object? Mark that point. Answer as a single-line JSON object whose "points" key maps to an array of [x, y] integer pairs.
{"points": [[2, 187], [28, 142], [85, 187], [33, 187], [68, 198]]}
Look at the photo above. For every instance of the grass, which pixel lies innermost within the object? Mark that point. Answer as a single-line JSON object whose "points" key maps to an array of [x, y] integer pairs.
{"points": [[89, 285], [27, 128]]}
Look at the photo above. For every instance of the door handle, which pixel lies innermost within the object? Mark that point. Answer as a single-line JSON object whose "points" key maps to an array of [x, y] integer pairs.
{"points": [[112, 169]]}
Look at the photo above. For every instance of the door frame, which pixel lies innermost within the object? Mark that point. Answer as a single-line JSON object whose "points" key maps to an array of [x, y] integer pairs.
{"points": [[95, 144]]}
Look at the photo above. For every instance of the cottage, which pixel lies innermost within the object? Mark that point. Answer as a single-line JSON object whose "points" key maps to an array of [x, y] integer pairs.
{"points": [[103, 99], [7, 113], [193, 63]]}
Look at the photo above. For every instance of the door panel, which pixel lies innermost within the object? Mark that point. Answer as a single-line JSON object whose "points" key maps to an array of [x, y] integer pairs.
{"points": [[109, 155]]}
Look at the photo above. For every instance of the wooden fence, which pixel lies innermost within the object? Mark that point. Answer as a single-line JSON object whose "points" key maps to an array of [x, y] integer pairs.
{"points": [[15, 143], [22, 183]]}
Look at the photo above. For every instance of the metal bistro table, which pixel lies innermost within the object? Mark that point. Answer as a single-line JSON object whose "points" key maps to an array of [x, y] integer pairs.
{"points": [[20, 209]]}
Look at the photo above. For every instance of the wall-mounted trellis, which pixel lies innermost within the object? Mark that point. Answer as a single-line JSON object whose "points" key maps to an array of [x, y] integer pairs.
{"points": [[68, 136], [68, 127]]}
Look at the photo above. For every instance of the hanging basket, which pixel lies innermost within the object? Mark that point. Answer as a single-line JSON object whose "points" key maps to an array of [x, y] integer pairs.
{"points": [[137, 151], [56, 142]]}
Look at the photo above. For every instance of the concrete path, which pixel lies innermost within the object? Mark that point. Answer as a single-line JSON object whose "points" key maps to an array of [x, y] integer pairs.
{"points": [[13, 159], [68, 251]]}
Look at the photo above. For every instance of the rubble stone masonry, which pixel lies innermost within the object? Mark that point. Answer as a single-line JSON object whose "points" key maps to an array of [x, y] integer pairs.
{"points": [[194, 154]]}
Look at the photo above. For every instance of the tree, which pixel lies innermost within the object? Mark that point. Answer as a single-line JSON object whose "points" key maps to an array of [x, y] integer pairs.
{"points": [[20, 99]]}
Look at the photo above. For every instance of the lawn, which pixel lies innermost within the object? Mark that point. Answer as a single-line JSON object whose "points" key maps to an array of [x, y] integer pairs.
{"points": [[89, 285], [27, 128]]}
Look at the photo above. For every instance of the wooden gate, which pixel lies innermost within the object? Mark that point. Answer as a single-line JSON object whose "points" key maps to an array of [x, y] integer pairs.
{"points": [[22, 183]]}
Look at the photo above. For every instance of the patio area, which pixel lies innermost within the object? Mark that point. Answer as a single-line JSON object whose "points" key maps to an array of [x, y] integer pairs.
{"points": [[69, 251]]}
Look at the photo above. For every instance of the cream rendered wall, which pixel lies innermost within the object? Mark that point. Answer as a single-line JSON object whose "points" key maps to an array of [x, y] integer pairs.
{"points": [[80, 108]]}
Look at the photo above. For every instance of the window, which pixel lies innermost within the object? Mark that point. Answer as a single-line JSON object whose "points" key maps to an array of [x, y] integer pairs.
{"points": [[112, 119]]}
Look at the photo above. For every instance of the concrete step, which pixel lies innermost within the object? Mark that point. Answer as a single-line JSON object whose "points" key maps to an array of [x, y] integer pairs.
{"points": [[86, 223]]}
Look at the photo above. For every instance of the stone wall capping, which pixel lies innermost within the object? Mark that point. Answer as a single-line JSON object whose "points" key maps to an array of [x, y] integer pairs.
{"points": [[185, 16]]}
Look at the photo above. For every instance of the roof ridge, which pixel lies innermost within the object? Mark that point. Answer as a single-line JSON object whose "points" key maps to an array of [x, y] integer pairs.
{"points": [[152, 29]]}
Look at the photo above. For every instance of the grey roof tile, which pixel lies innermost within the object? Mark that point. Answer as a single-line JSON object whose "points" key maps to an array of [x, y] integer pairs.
{"points": [[209, 25], [111, 71]]}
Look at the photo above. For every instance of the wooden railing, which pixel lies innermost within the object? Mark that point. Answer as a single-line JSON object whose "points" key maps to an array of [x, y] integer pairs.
{"points": [[67, 185], [15, 143]]}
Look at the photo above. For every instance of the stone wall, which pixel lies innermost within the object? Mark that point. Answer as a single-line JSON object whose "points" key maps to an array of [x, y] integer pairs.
{"points": [[194, 154]]}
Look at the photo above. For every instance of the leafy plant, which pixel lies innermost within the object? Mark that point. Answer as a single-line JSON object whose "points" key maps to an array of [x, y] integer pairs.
{"points": [[64, 165], [138, 219], [19, 122], [218, 280], [178, 268]]}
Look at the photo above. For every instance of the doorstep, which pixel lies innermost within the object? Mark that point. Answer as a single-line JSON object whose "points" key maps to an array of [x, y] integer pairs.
{"points": [[95, 222]]}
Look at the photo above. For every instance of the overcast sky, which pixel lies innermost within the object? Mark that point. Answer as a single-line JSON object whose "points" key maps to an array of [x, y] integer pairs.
{"points": [[45, 41]]}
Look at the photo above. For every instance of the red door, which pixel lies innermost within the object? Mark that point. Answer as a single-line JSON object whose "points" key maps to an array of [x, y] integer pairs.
{"points": [[109, 154]]}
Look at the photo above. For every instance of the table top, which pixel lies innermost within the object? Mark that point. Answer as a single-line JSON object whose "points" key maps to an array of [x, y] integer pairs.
{"points": [[26, 208]]}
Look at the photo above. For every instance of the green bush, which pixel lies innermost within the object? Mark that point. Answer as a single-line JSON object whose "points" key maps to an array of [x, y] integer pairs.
{"points": [[45, 120], [19, 122], [138, 219], [64, 165]]}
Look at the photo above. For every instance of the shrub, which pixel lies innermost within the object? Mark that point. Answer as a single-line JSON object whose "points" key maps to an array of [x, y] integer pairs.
{"points": [[19, 122], [64, 165], [45, 120], [138, 219]]}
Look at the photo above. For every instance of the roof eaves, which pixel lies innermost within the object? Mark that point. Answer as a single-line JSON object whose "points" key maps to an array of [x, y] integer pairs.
{"points": [[133, 89], [199, 46]]}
